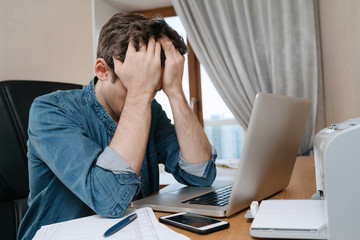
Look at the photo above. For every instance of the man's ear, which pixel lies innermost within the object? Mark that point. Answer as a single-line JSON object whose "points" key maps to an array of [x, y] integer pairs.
{"points": [[102, 69]]}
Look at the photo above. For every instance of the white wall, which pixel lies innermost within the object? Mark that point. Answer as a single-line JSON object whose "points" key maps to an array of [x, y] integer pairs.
{"points": [[340, 40], [103, 11], [46, 40]]}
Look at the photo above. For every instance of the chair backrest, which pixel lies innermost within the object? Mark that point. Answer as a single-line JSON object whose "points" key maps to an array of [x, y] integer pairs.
{"points": [[16, 98]]}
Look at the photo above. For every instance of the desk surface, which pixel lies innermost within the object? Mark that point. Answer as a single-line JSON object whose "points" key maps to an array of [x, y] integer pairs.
{"points": [[302, 186]]}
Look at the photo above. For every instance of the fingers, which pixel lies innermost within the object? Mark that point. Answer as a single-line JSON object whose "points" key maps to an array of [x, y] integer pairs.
{"points": [[151, 46], [158, 51], [150, 51], [168, 46], [153, 51], [154, 48], [171, 53], [131, 47]]}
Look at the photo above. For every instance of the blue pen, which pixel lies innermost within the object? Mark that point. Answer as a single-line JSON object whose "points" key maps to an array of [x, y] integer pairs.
{"points": [[120, 225]]}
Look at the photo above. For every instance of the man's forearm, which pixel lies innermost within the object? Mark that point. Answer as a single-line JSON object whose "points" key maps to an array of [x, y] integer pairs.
{"points": [[194, 144], [131, 136]]}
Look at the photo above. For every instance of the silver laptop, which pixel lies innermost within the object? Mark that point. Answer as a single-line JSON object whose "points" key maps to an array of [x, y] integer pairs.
{"points": [[270, 149]]}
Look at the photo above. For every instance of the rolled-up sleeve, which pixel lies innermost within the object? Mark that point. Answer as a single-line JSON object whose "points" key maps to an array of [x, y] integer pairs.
{"points": [[197, 169], [109, 159]]}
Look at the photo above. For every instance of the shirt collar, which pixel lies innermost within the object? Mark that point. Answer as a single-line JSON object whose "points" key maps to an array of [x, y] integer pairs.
{"points": [[91, 99]]}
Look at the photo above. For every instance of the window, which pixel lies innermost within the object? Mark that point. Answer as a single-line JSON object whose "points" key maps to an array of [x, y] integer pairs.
{"points": [[223, 131], [220, 126]]}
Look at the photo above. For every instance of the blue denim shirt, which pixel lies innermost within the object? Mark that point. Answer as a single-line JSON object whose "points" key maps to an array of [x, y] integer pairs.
{"points": [[73, 172]]}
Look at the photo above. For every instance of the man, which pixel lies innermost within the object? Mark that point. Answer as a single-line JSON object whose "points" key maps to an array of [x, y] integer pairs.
{"points": [[93, 150]]}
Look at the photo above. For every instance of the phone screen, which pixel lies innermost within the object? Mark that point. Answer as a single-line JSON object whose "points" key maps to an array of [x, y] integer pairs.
{"points": [[195, 221]]}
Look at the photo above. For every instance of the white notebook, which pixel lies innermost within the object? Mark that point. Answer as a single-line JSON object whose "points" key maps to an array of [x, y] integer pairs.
{"points": [[301, 219], [146, 227]]}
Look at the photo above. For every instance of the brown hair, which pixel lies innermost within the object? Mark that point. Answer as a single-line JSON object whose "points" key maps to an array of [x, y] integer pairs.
{"points": [[116, 33]]}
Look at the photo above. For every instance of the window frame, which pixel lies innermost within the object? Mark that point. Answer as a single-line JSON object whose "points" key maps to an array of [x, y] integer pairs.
{"points": [[193, 65]]}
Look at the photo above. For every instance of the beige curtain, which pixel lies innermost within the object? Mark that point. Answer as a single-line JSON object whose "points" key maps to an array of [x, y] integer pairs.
{"points": [[251, 46]]}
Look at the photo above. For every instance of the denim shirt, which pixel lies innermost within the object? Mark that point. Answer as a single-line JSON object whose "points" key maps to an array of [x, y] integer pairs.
{"points": [[73, 172]]}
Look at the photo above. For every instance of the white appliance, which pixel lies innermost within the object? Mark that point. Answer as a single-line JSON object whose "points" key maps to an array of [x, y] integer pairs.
{"points": [[337, 165], [336, 213]]}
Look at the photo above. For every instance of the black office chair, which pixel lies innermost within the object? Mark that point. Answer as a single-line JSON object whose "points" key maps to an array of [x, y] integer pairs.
{"points": [[15, 101]]}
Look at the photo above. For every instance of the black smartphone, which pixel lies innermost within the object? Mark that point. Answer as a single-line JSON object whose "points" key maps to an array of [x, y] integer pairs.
{"points": [[194, 223]]}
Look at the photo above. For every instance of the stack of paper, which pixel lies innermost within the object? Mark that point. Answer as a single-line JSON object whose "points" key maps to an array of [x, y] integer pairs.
{"points": [[146, 227]]}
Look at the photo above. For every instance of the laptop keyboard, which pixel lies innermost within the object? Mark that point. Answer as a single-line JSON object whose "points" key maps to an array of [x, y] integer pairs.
{"points": [[219, 197]]}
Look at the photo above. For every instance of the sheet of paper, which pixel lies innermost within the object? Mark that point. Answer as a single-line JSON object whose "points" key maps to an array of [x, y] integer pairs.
{"points": [[144, 227]]}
